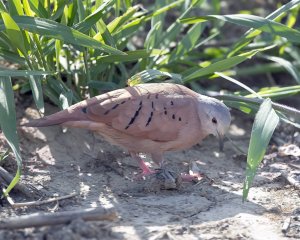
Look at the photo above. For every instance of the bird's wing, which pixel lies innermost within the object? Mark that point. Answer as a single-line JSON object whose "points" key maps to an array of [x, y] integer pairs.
{"points": [[157, 115], [153, 111]]}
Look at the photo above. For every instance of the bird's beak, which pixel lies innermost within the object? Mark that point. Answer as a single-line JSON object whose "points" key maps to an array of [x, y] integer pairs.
{"points": [[221, 141]]}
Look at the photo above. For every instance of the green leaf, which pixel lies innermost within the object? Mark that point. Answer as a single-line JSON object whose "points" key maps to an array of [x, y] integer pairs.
{"points": [[152, 36], [86, 24], [253, 103], [148, 75], [219, 66], [277, 92], [8, 125], [45, 27], [23, 73], [14, 32], [138, 22], [264, 125], [188, 42], [287, 65], [252, 33], [223, 64], [104, 34], [37, 7], [66, 99], [120, 21], [11, 57], [131, 56], [252, 21], [37, 92]]}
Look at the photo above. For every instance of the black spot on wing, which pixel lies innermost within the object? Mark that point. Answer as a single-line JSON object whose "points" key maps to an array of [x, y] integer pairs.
{"points": [[173, 116], [149, 119], [84, 110], [114, 107], [135, 115]]}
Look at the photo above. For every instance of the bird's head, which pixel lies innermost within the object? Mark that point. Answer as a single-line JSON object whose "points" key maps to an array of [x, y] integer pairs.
{"points": [[214, 116]]}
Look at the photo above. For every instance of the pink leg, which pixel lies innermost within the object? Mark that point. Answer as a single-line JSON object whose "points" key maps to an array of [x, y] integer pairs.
{"points": [[158, 159], [145, 169]]}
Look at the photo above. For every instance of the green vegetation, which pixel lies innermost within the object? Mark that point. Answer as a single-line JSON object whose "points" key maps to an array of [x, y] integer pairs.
{"points": [[70, 50]]}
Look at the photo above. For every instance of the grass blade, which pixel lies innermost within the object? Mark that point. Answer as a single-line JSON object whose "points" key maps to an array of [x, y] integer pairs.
{"points": [[252, 33], [86, 24], [131, 56], [37, 92], [251, 21], [188, 42], [23, 73], [45, 27], [13, 32], [264, 125], [148, 75], [8, 124], [220, 65], [287, 65]]}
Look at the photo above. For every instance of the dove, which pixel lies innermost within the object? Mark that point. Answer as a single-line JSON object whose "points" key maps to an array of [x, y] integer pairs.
{"points": [[151, 118]]}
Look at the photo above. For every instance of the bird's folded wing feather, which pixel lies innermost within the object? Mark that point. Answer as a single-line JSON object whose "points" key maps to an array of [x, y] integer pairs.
{"points": [[153, 111], [158, 117]]}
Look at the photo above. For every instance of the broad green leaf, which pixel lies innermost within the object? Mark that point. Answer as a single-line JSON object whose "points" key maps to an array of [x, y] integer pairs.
{"points": [[148, 75], [13, 32], [45, 27], [252, 21], [8, 125], [264, 125]]}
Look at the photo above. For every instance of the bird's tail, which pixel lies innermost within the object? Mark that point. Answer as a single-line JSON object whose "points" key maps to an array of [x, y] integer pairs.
{"points": [[61, 117]]}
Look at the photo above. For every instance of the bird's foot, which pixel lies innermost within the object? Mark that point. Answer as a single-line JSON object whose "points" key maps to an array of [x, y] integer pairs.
{"points": [[191, 177], [144, 174], [163, 179]]}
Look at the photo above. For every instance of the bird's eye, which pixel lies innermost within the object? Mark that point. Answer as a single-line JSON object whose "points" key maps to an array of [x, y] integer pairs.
{"points": [[214, 120]]}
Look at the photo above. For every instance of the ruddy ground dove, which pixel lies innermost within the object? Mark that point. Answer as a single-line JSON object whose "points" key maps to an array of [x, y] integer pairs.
{"points": [[147, 118]]}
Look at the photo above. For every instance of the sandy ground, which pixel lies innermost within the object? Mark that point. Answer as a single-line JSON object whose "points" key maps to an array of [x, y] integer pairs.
{"points": [[59, 163]]}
